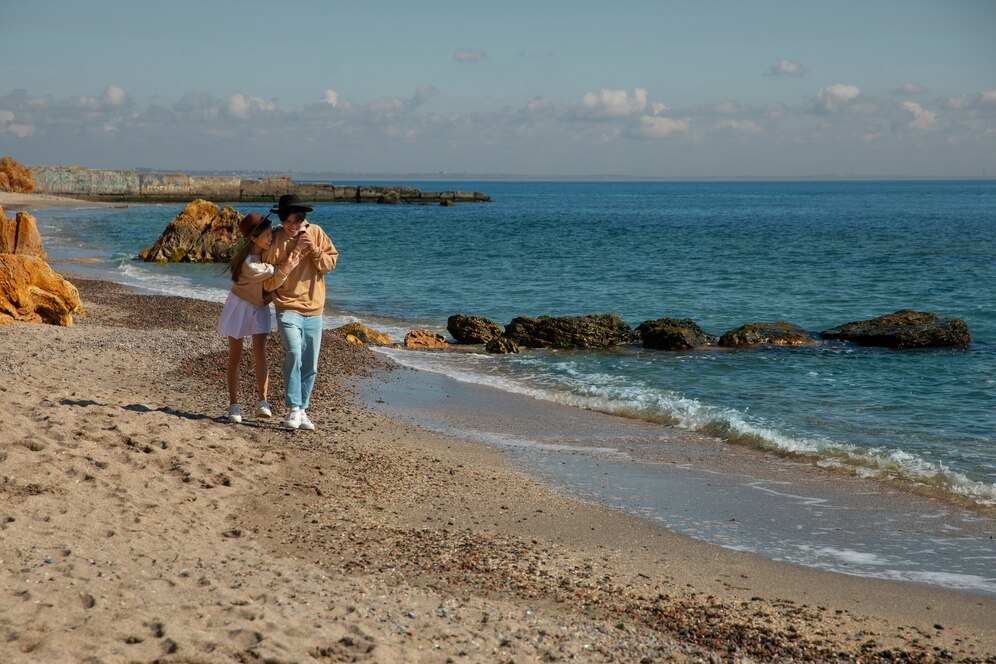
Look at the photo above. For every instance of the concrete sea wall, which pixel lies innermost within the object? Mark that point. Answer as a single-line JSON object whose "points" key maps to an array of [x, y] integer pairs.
{"points": [[132, 186]]}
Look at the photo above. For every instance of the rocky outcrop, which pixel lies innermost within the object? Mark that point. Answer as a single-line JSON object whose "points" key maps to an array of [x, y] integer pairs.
{"points": [[501, 345], [15, 176], [467, 329], [20, 236], [779, 333], [672, 334], [201, 233], [31, 291], [904, 329], [365, 335], [424, 340], [591, 331]]}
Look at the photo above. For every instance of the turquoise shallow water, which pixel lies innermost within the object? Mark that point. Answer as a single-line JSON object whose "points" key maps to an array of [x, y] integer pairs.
{"points": [[723, 253]]}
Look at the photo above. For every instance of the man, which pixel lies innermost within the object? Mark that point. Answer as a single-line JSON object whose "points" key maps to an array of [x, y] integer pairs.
{"points": [[299, 298]]}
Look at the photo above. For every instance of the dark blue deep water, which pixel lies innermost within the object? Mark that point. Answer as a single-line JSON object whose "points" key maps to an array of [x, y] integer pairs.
{"points": [[722, 253]]}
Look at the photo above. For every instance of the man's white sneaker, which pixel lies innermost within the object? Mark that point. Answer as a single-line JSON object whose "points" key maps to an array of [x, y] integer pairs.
{"points": [[235, 414], [263, 409], [306, 423], [293, 420]]}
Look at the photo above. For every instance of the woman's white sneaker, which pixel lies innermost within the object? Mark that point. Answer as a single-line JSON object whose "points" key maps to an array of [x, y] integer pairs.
{"points": [[306, 423], [235, 414], [263, 409]]}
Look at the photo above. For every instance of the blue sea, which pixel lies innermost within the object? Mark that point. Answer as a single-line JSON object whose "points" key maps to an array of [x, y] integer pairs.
{"points": [[817, 254]]}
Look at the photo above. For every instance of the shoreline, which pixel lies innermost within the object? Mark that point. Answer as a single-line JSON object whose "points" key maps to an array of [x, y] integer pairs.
{"points": [[12, 201], [741, 498], [128, 495]]}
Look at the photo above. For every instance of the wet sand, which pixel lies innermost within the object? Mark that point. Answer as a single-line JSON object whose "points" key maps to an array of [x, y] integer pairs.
{"points": [[136, 524]]}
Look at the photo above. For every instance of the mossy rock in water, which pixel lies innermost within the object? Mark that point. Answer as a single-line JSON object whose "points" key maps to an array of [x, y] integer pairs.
{"points": [[904, 329], [591, 331], [672, 334], [467, 329], [501, 345], [779, 333]]}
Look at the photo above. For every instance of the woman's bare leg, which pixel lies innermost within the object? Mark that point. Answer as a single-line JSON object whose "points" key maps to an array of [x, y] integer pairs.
{"points": [[262, 369], [234, 356]]}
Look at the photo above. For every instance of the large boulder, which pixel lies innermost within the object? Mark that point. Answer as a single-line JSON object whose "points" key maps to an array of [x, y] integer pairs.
{"points": [[365, 334], [591, 331], [904, 329], [672, 334], [419, 339], [201, 233], [20, 235], [31, 291], [467, 329], [779, 333]]}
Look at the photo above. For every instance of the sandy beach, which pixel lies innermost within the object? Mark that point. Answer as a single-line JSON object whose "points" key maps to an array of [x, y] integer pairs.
{"points": [[138, 525], [12, 201]]}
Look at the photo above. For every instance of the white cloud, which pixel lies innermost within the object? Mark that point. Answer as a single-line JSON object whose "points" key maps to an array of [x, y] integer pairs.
{"points": [[783, 67], [835, 97], [331, 97], [612, 103], [744, 126], [908, 89], [424, 93], [923, 119], [957, 103], [6, 116], [652, 126], [242, 106], [21, 130], [659, 109], [115, 95], [469, 55], [988, 97]]}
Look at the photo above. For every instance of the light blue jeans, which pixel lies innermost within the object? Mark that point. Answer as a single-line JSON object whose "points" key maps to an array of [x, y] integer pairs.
{"points": [[301, 337]]}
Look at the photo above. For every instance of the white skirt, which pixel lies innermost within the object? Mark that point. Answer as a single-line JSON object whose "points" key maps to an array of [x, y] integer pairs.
{"points": [[240, 318]]}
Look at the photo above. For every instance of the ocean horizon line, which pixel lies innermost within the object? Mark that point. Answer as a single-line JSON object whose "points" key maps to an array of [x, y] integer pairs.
{"points": [[525, 177]]}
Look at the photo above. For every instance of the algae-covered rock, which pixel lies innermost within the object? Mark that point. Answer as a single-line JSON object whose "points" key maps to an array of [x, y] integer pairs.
{"points": [[591, 331], [467, 329], [672, 334], [779, 333], [904, 329], [501, 345]]}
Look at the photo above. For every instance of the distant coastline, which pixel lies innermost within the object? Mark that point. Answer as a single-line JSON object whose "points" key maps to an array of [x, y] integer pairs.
{"points": [[349, 176], [117, 185]]}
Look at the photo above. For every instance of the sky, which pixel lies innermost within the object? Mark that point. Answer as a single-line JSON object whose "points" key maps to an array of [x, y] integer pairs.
{"points": [[669, 89]]}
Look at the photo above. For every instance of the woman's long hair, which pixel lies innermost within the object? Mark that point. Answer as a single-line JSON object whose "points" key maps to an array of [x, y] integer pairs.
{"points": [[235, 266]]}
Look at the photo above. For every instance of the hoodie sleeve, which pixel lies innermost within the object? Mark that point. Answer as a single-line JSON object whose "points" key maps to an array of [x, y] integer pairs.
{"points": [[325, 254]]}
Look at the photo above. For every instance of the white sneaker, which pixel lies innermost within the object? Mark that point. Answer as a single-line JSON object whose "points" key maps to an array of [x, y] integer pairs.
{"points": [[235, 414], [306, 423], [263, 409], [293, 420]]}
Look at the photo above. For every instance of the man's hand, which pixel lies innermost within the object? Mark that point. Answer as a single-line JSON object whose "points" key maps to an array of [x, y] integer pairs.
{"points": [[305, 244]]}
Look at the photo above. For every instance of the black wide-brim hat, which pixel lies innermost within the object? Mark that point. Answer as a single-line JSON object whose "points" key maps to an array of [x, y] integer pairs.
{"points": [[290, 203]]}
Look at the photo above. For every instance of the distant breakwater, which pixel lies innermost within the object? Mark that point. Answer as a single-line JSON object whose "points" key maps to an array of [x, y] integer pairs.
{"points": [[128, 186]]}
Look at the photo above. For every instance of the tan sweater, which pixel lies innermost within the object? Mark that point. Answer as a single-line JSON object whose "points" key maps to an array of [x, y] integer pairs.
{"points": [[252, 274], [302, 290]]}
